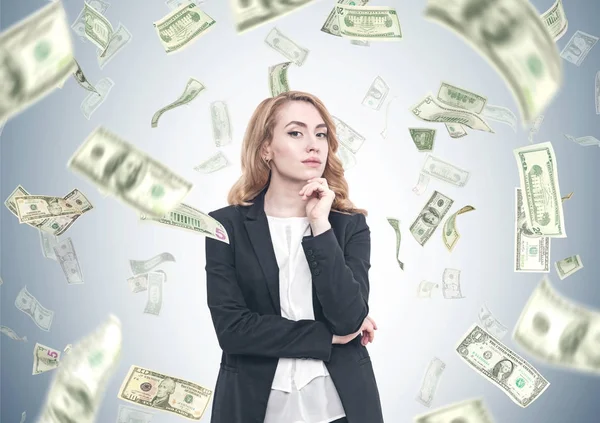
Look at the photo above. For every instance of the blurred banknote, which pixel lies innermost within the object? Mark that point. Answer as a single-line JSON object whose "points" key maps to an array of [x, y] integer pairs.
{"points": [[430, 217], [347, 136], [98, 28], [284, 45], [532, 252], [556, 20], [567, 266], [191, 91], [132, 415], [44, 359], [139, 283], [431, 110], [469, 411], [29, 305], [370, 23], [535, 127], [249, 14], [181, 26], [578, 47], [451, 288], [490, 323], [65, 253], [120, 39], [346, 156], [12, 334], [221, 124], [79, 25], [93, 100], [425, 289], [144, 266], [500, 114], [155, 287], [331, 25], [584, 141], [395, 224], [278, 79], [444, 171], [377, 94], [175, 4], [430, 382], [216, 162]]}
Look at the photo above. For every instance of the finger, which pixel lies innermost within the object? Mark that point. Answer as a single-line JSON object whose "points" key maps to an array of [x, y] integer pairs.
{"points": [[373, 321]]}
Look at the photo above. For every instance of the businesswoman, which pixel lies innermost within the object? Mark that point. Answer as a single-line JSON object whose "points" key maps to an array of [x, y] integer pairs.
{"points": [[289, 294]]}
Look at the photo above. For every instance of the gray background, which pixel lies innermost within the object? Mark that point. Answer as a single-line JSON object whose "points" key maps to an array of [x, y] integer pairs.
{"points": [[181, 342]]}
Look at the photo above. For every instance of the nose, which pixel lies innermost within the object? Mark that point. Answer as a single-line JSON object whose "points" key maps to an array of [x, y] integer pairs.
{"points": [[312, 143]]}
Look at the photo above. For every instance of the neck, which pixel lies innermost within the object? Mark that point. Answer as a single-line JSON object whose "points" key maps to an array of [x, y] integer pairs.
{"points": [[282, 199]]}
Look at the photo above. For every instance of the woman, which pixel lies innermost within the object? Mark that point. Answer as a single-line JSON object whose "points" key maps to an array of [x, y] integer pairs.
{"points": [[289, 294]]}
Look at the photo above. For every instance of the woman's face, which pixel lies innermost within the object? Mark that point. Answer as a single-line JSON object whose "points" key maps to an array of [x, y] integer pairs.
{"points": [[299, 129]]}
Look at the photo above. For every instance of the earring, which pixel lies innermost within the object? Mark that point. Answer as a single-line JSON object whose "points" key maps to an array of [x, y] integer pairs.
{"points": [[267, 161]]}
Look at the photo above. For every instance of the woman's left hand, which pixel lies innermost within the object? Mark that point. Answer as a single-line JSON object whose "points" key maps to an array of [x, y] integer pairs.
{"points": [[320, 198]]}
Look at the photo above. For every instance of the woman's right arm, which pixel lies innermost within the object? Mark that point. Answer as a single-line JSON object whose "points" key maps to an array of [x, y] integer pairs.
{"points": [[242, 331]]}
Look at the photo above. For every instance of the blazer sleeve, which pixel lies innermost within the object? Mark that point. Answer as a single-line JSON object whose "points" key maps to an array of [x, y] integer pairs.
{"points": [[242, 331], [340, 279]]}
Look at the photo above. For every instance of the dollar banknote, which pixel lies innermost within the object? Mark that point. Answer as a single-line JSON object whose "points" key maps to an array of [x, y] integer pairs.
{"points": [[519, 47], [451, 288], [538, 173], [331, 25], [66, 256], [140, 282], [80, 381], [216, 162], [37, 56], [377, 94], [371, 23], [29, 305], [455, 130], [422, 184], [450, 234], [444, 171], [191, 91], [597, 91], [175, 4], [578, 47], [362, 43], [535, 127], [79, 25], [191, 219], [93, 100], [133, 415], [430, 382], [430, 217], [221, 124], [12, 334], [347, 136], [461, 98], [155, 286], [278, 79], [423, 138], [288, 48], [425, 289], [532, 252], [567, 266], [144, 266], [181, 26], [559, 331], [98, 28], [44, 359], [584, 141], [383, 133], [556, 20], [129, 174], [395, 224], [431, 110], [120, 39], [346, 156], [501, 366], [250, 14], [469, 411], [38, 207], [159, 391], [500, 114], [82, 80], [491, 323]]}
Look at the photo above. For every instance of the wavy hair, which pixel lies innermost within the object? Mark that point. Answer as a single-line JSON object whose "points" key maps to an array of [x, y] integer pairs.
{"points": [[259, 133]]}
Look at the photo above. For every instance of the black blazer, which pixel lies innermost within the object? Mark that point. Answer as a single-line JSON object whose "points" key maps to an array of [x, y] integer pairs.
{"points": [[243, 296]]}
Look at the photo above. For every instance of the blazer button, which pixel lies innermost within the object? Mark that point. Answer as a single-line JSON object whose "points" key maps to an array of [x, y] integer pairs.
{"points": [[317, 272], [313, 264], [310, 252]]}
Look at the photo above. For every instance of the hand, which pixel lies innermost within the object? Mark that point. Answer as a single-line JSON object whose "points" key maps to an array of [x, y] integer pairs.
{"points": [[367, 330], [319, 199]]}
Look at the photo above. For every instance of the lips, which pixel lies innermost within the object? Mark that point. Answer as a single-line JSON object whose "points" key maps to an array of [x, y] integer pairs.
{"points": [[312, 161]]}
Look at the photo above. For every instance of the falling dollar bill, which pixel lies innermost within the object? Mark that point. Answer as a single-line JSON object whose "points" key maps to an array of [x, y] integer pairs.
{"points": [[578, 47], [94, 100], [331, 25], [181, 26], [430, 382], [422, 184], [37, 207], [455, 96], [23, 416], [156, 390], [191, 91], [469, 411], [79, 25], [83, 375], [559, 331], [431, 110], [29, 305], [251, 14], [346, 156], [500, 365], [191, 219], [44, 359], [566, 267], [132, 415], [430, 217], [425, 289], [140, 282], [347, 136], [144, 266], [129, 174], [284, 45], [450, 234], [423, 138], [500, 114], [451, 288], [377, 94], [221, 124], [584, 141], [362, 43], [535, 127], [520, 48], [155, 286], [120, 39], [491, 323], [82, 80], [216, 162], [372, 23], [444, 171], [12, 334], [455, 130], [395, 224], [278, 79], [98, 28], [538, 173], [532, 252], [556, 20], [37, 56], [65, 253]]}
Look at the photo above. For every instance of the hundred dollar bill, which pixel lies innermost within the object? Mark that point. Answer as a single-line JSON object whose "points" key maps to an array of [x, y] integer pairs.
{"points": [[425, 289], [65, 253], [597, 89], [44, 359], [37, 207], [129, 174], [430, 217], [132, 415], [98, 29], [278, 79], [191, 91], [532, 252], [500, 114], [395, 224], [451, 284], [538, 173], [444, 171], [284, 45], [221, 124], [347, 136], [79, 25], [568, 266], [78, 386], [346, 156], [331, 25], [250, 14], [156, 390], [578, 47], [94, 100], [430, 110], [500, 365], [430, 382], [556, 20], [12, 334], [191, 219], [37, 56], [520, 47], [584, 141], [559, 331], [48, 242], [535, 127], [154, 303], [29, 305], [144, 266], [459, 97], [455, 130], [120, 39], [423, 138], [491, 323], [469, 411], [450, 234], [216, 162], [82, 80], [377, 94], [372, 23], [181, 26], [139, 283]]}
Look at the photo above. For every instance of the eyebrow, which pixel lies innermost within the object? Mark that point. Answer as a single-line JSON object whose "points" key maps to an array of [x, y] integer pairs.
{"points": [[295, 122]]}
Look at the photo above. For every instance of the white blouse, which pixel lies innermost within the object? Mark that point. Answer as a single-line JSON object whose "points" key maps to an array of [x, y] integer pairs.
{"points": [[302, 390]]}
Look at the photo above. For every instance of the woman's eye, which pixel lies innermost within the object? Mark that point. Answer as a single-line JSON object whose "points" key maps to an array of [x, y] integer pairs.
{"points": [[322, 133], [294, 133]]}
